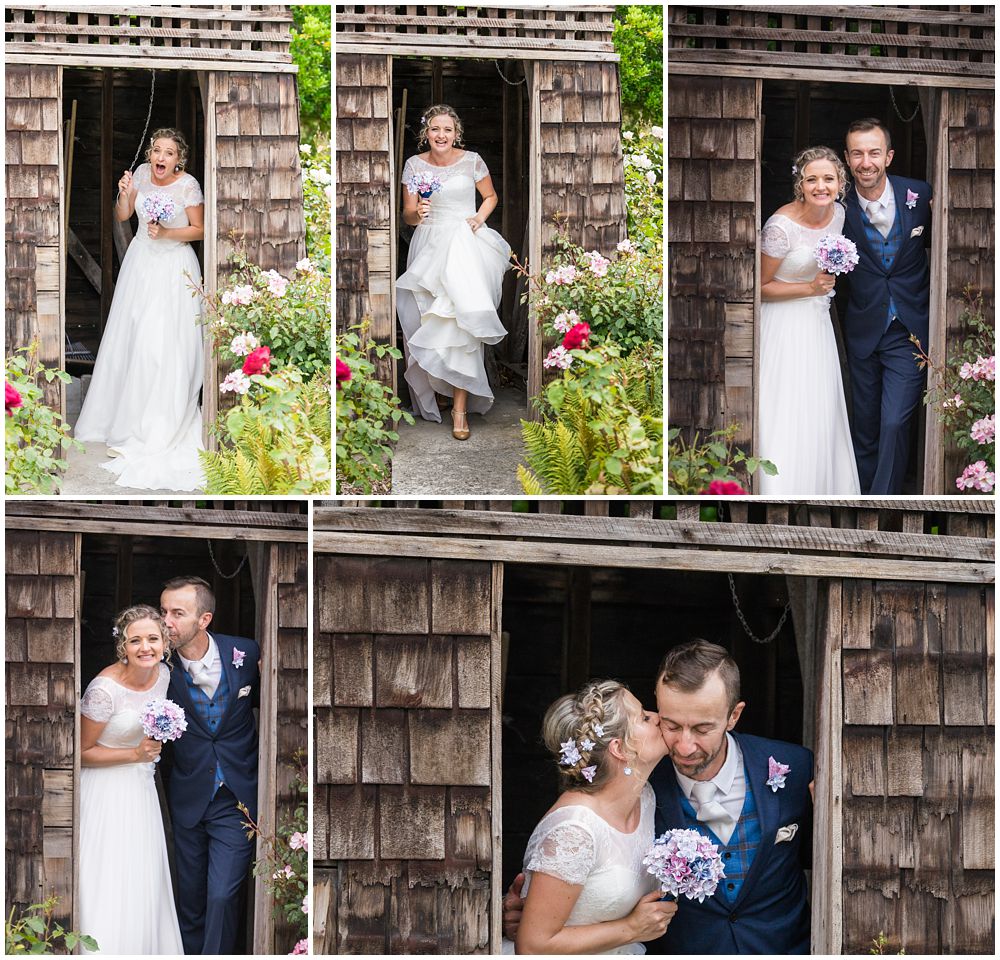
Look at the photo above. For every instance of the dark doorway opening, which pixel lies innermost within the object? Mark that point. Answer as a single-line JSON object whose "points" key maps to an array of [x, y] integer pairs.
{"points": [[565, 625], [111, 108], [491, 97], [120, 570], [801, 113]]}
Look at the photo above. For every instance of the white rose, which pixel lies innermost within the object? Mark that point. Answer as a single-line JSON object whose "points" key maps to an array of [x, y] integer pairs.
{"points": [[657, 132], [627, 135], [651, 178]]}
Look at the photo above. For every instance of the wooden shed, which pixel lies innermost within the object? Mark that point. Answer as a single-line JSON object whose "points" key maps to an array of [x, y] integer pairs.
{"points": [[71, 566], [538, 93], [80, 81], [442, 633], [748, 88]]}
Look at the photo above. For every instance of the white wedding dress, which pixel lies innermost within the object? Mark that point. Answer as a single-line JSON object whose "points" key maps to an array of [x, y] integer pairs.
{"points": [[126, 899], [143, 397], [576, 845], [802, 415], [448, 297]]}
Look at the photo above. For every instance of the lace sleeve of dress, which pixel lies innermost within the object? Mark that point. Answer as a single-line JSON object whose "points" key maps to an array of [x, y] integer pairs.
{"points": [[479, 169], [97, 704], [409, 168], [191, 192], [566, 852], [774, 240]]}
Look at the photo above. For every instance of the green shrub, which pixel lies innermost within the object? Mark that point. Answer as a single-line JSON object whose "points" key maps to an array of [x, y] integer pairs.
{"points": [[693, 468], [35, 434], [601, 430], [311, 52], [34, 931], [317, 193], [276, 440], [643, 155], [638, 39], [367, 414]]}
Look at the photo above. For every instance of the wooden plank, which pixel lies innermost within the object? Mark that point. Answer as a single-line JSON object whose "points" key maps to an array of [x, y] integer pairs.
{"points": [[638, 557], [247, 14], [771, 71], [109, 510], [414, 45], [496, 765], [153, 55], [942, 18], [144, 62], [141, 528], [637, 529]]}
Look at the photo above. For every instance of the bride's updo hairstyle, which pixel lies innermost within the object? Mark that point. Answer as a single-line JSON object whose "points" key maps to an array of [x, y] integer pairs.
{"points": [[128, 616], [439, 110], [806, 157], [170, 133], [578, 729]]}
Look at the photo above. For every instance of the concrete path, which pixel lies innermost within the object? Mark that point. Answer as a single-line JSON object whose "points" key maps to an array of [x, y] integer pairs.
{"points": [[430, 462], [84, 477]]}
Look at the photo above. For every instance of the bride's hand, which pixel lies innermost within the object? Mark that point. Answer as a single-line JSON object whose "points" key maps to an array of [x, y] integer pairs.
{"points": [[822, 284], [125, 184], [423, 207], [155, 230], [473, 223], [148, 750], [650, 917]]}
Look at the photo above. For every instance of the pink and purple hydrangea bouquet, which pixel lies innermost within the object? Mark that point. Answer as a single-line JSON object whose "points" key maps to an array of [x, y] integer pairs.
{"points": [[423, 183], [158, 208], [685, 863], [835, 254], [163, 720]]}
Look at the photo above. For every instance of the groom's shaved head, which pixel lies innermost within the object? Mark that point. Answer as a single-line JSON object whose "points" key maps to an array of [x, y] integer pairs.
{"points": [[688, 666]]}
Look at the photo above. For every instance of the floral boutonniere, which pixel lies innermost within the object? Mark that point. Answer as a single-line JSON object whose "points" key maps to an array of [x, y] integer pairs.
{"points": [[776, 773], [911, 199], [238, 657]]}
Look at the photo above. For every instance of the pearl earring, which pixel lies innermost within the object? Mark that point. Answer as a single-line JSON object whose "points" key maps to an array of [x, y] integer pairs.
{"points": [[628, 771]]}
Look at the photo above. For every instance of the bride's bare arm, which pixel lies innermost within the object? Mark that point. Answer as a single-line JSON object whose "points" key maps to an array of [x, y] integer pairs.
{"points": [[196, 230], [415, 208], [92, 754], [772, 290], [548, 906], [490, 199]]}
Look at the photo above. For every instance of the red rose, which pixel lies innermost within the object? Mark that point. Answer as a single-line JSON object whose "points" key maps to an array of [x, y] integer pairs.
{"points": [[12, 399], [343, 372], [577, 336], [257, 362], [724, 488]]}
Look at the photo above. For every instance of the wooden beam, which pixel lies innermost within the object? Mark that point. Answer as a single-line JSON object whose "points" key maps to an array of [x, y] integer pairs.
{"points": [[68, 510], [67, 52], [246, 14], [146, 529], [752, 536], [496, 765], [943, 18], [602, 555], [769, 71], [82, 258], [109, 194], [413, 48], [144, 62]]}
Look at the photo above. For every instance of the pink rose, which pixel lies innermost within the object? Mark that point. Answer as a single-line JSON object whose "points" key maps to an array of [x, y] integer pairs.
{"points": [[258, 361], [724, 488], [343, 373], [12, 399], [577, 336]]}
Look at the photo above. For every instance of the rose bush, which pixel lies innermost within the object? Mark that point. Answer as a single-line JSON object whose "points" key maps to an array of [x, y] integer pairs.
{"points": [[367, 413], [717, 467], [36, 435], [643, 156], [317, 195], [963, 391]]}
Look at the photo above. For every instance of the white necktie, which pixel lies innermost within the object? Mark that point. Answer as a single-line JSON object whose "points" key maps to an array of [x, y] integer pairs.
{"points": [[199, 673], [709, 811], [878, 214]]}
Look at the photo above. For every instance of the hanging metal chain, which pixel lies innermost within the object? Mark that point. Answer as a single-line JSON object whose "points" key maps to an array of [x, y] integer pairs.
{"points": [[149, 114], [895, 106], [510, 83], [743, 620], [225, 576]]}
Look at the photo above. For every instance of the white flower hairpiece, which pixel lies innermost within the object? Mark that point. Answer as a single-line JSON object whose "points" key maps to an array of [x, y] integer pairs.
{"points": [[115, 631], [795, 170]]}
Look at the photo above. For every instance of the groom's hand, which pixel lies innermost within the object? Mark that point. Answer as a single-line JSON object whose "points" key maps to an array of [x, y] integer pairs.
{"points": [[513, 907], [650, 917]]}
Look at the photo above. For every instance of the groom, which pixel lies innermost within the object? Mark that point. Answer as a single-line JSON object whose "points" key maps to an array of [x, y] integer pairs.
{"points": [[214, 766], [888, 218]]}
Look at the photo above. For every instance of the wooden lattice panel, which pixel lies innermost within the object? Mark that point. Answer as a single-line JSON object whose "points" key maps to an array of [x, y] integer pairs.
{"points": [[208, 34], [402, 809]]}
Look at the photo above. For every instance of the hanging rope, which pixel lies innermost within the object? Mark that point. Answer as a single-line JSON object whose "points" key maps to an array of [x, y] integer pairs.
{"points": [[145, 129], [895, 106], [225, 576], [743, 620]]}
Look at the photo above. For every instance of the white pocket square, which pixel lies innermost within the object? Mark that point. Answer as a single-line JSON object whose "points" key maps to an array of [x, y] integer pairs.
{"points": [[244, 691], [916, 231], [786, 833]]}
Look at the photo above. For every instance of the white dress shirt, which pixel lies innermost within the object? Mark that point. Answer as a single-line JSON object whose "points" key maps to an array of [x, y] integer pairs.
{"points": [[731, 786], [886, 202], [212, 663]]}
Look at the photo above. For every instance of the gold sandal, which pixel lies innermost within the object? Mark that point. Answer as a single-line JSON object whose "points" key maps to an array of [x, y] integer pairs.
{"points": [[459, 433]]}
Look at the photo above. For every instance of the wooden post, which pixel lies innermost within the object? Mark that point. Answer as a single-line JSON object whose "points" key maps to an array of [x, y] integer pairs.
{"points": [[498, 665], [534, 237], [210, 391], [108, 193]]}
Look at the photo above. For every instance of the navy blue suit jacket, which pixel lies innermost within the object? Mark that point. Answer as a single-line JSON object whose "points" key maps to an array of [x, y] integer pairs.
{"points": [[771, 913], [234, 745], [906, 280]]}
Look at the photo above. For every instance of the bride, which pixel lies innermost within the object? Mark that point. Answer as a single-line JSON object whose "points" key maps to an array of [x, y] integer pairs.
{"points": [[143, 397], [586, 888], [126, 899], [448, 297], [803, 427]]}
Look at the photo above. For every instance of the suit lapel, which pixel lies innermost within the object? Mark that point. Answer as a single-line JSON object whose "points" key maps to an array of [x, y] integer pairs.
{"points": [[181, 690], [668, 794], [766, 800]]}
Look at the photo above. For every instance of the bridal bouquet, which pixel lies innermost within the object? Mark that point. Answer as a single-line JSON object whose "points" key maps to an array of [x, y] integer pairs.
{"points": [[836, 254], [158, 208], [423, 183], [163, 720], [685, 862]]}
